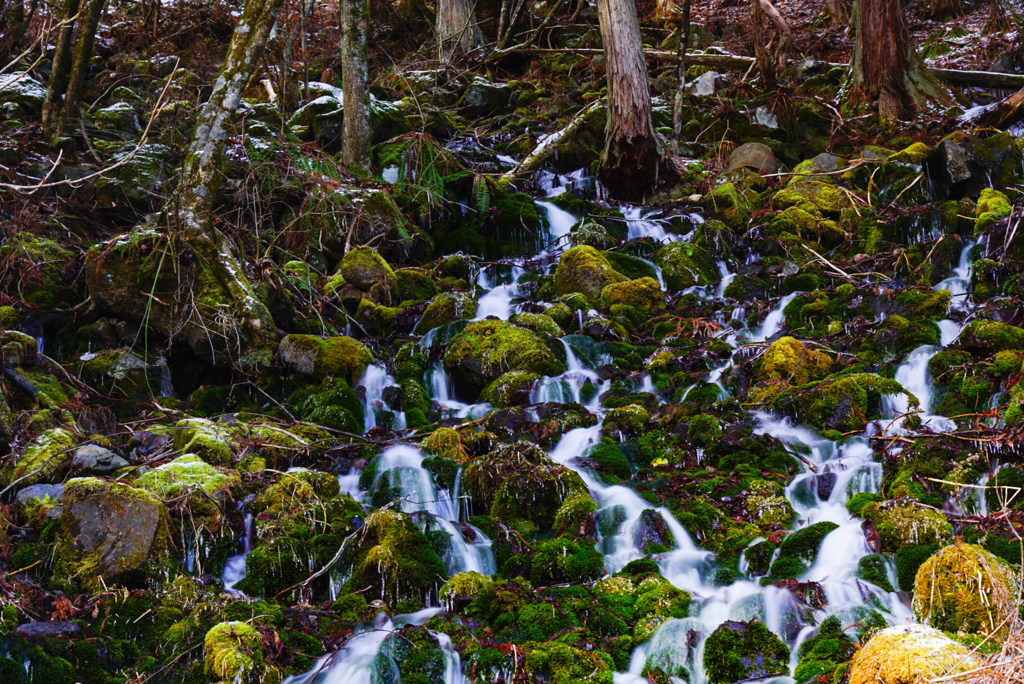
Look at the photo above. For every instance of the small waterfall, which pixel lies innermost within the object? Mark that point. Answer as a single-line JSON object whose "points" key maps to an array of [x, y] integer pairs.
{"points": [[772, 323], [560, 222], [497, 300], [401, 467], [234, 567], [641, 227], [375, 380], [959, 283], [568, 387]]}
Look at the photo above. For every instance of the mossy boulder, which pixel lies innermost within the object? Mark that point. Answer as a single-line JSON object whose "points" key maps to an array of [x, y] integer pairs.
{"points": [[17, 348], [909, 654], [42, 265], [206, 487], [120, 373], [963, 587], [684, 265], [829, 199], [585, 270], [844, 403], [991, 336], [486, 350], [394, 558], [766, 504], [743, 650], [233, 652], [992, 206], [789, 360], [109, 529], [643, 293], [444, 442], [367, 270], [540, 323], [205, 439], [445, 308], [560, 663], [414, 285], [319, 358], [732, 205], [897, 336], [629, 421], [905, 522], [45, 457], [511, 389]]}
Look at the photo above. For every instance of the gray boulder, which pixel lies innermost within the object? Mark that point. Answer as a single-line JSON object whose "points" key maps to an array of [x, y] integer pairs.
{"points": [[22, 90], [92, 458], [486, 98], [48, 630]]}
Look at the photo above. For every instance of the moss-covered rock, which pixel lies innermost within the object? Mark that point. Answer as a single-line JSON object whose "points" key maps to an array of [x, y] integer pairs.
{"points": [[963, 587], [992, 206], [685, 265], [909, 654], [585, 270], [991, 336], [445, 308], [791, 361], [486, 350], [511, 389], [743, 650], [204, 438], [233, 652], [206, 487], [314, 357], [40, 264], [905, 522], [109, 529], [827, 197], [45, 457], [844, 403], [643, 293], [17, 348]]}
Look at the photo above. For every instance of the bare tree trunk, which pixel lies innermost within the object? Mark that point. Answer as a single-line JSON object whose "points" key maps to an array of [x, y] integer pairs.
{"points": [[57, 84], [190, 211], [677, 110], [785, 43], [457, 30], [80, 64], [764, 64], [629, 164], [355, 134], [886, 68], [838, 13]]}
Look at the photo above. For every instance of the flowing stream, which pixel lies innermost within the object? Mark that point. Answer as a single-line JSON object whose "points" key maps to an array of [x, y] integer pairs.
{"points": [[832, 473]]}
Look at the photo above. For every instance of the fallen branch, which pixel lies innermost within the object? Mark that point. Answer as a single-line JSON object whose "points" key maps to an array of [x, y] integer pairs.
{"points": [[547, 145], [25, 386]]}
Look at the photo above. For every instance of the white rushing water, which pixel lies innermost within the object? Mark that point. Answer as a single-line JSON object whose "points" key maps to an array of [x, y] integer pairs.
{"points": [[374, 382], [496, 300], [234, 566]]}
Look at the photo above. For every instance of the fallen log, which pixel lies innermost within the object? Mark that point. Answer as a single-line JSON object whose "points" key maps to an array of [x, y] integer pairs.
{"points": [[981, 79]]}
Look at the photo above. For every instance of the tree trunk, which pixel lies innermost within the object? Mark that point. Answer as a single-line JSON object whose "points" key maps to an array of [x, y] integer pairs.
{"points": [[886, 68], [80, 64], [355, 134], [944, 9], [785, 42], [190, 211], [764, 64], [677, 110], [57, 84], [838, 14], [457, 30], [629, 164]]}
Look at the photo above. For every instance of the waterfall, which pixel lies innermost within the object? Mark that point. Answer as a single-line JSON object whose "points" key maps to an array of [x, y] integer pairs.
{"points": [[374, 382]]}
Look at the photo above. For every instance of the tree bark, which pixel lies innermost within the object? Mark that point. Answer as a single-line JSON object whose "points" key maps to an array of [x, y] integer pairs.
{"points": [[886, 68], [457, 30], [1003, 114], [764, 64], [677, 109], [190, 211], [785, 43], [57, 84], [944, 9], [80, 64], [838, 13], [355, 134], [629, 164]]}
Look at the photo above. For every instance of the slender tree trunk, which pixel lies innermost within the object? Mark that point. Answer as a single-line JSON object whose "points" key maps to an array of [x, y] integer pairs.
{"points": [[677, 110], [785, 42], [57, 85], [80, 64], [629, 164], [886, 68], [190, 211], [355, 134], [764, 64], [457, 30]]}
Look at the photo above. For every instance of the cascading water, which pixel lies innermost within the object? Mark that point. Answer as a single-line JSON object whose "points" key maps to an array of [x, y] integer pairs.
{"points": [[374, 382], [234, 567], [497, 298]]}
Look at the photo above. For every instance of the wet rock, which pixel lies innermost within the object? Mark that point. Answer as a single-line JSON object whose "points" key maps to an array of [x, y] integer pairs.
{"points": [[445, 308], [318, 358], [790, 361], [120, 373], [706, 84], [22, 90], [206, 488], [110, 527], [119, 117], [486, 98], [743, 650], [40, 492], [824, 484], [319, 119], [45, 456], [650, 529], [95, 459], [49, 630], [585, 270], [18, 349], [131, 189], [905, 522]]}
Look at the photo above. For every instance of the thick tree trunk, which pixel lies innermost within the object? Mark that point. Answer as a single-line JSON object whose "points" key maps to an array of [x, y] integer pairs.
{"points": [[886, 68], [57, 84], [80, 64], [629, 164], [457, 30], [190, 211], [943, 9], [355, 134]]}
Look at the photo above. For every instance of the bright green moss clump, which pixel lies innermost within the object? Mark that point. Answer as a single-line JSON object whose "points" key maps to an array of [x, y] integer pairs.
{"points": [[234, 653], [790, 361], [45, 456], [642, 293], [963, 587], [318, 358], [743, 650], [208, 487], [909, 654], [585, 270], [486, 350], [684, 265], [905, 522], [842, 404]]}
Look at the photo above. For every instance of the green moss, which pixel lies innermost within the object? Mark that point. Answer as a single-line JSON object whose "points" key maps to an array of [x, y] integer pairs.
{"points": [[905, 522], [41, 263], [924, 304], [45, 456], [626, 420], [963, 587], [204, 438], [766, 504], [732, 205], [542, 324], [827, 197], [908, 654], [511, 389], [414, 285], [445, 308], [789, 360], [844, 403], [560, 663], [585, 270], [685, 265], [462, 586], [897, 336], [486, 350], [350, 607], [574, 512], [342, 357], [234, 652], [992, 336], [992, 206], [207, 487], [445, 442], [743, 650], [642, 293]]}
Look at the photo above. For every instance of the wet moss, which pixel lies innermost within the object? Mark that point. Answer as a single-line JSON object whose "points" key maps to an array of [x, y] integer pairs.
{"points": [[844, 403], [234, 652], [905, 522], [511, 389], [586, 271], [743, 650], [906, 654], [643, 294]]}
